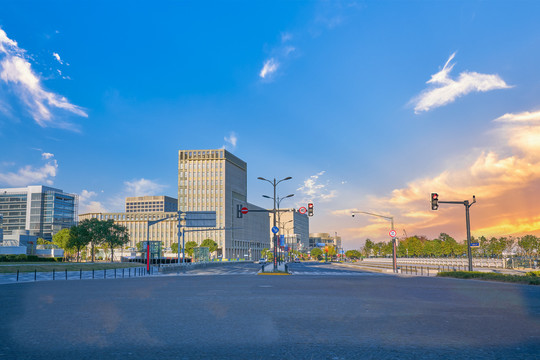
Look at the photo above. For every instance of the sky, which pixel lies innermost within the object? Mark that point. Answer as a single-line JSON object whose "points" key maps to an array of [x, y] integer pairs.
{"points": [[367, 105]]}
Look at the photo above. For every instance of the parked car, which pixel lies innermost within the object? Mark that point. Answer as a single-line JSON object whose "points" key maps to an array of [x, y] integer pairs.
{"points": [[262, 261]]}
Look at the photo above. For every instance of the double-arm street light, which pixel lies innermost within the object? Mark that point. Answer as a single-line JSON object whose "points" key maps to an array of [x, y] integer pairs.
{"points": [[274, 183], [391, 218]]}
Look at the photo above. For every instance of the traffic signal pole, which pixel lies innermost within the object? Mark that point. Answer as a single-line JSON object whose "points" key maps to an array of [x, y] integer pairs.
{"points": [[467, 222]]}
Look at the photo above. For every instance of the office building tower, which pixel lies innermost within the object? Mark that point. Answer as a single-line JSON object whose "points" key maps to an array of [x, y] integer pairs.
{"points": [[41, 210], [216, 180]]}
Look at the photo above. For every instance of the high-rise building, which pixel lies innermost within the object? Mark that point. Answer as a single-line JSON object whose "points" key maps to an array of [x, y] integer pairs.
{"points": [[42, 210], [151, 204], [216, 180], [294, 227]]}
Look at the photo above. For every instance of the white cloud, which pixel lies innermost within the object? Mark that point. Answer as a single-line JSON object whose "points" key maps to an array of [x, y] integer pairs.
{"points": [[86, 205], [140, 187], [520, 118], [445, 90], [314, 190], [270, 67], [57, 57], [285, 36], [30, 175], [232, 139], [16, 72], [47, 156]]}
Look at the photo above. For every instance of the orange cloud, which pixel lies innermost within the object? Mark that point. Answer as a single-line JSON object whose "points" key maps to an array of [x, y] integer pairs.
{"points": [[505, 180]]}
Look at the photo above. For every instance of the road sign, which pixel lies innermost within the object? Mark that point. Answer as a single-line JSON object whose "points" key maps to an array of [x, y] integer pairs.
{"points": [[200, 218], [302, 210], [475, 244], [244, 210], [392, 233], [275, 229]]}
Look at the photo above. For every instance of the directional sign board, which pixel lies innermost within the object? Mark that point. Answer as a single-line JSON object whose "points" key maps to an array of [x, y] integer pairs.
{"points": [[275, 229], [475, 244], [200, 218], [392, 233], [244, 210]]}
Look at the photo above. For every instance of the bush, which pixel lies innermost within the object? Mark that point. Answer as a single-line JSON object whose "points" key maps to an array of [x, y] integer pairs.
{"points": [[20, 257], [526, 279]]}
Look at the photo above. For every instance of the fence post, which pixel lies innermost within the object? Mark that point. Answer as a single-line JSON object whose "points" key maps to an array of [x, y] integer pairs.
{"points": [[53, 272], [80, 274], [17, 275], [105, 273], [35, 274], [123, 273], [92, 273], [115, 273], [66, 274]]}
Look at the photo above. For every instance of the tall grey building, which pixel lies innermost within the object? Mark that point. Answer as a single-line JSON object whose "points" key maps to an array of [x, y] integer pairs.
{"points": [[294, 227], [216, 180], [42, 210]]}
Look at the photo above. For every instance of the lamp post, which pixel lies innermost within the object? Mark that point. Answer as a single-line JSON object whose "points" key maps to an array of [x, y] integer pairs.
{"points": [[274, 184], [391, 218]]}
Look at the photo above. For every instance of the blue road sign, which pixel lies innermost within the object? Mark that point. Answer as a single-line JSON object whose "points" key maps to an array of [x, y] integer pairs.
{"points": [[475, 244], [281, 240], [275, 229]]}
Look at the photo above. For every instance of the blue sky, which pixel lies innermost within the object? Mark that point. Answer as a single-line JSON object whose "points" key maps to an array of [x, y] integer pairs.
{"points": [[368, 105]]}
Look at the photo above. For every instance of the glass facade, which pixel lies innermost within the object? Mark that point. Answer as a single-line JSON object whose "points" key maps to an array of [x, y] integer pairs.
{"points": [[42, 210]]}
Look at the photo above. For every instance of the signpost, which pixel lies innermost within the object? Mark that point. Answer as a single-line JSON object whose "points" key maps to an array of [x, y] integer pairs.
{"points": [[244, 210], [392, 233], [275, 229], [475, 244], [302, 210]]}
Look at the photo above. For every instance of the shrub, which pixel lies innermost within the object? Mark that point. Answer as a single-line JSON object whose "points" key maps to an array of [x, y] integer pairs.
{"points": [[32, 258], [20, 257]]}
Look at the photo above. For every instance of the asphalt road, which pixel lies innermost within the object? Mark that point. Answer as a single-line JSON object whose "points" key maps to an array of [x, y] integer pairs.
{"points": [[247, 316]]}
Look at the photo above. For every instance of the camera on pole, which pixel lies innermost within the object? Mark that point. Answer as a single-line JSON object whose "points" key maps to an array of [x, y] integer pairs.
{"points": [[434, 201], [310, 209]]}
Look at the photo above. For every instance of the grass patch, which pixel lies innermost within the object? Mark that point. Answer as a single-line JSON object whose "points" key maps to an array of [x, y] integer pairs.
{"points": [[531, 278], [25, 267]]}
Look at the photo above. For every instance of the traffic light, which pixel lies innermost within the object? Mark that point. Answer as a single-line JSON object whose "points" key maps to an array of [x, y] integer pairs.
{"points": [[434, 201], [310, 209]]}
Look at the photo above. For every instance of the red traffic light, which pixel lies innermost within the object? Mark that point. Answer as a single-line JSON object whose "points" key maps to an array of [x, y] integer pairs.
{"points": [[434, 201], [310, 205]]}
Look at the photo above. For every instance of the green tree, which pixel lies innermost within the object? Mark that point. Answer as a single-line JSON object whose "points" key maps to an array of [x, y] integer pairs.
{"points": [[316, 253], [61, 239], [174, 248], [114, 235], [210, 244], [189, 247], [79, 237], [529, 244], [353, 254], [42, 241], [368, 247]]}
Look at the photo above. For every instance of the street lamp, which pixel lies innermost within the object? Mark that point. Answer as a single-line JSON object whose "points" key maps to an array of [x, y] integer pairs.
{"points": [[274, 183], [391, 218]]}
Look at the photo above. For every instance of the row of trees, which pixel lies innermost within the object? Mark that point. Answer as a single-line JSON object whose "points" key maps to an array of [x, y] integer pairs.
{"points": [[91, 232], [190, 245], [446, 246]]}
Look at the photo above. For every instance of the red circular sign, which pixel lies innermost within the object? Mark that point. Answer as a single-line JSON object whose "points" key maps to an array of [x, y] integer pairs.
{"points": [[302, 210], [392, 233], [244, 210]]}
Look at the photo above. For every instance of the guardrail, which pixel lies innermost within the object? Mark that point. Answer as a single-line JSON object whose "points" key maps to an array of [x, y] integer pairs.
{"points": [[477, 262], [80, 274]]}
